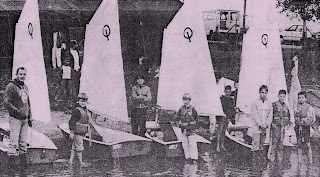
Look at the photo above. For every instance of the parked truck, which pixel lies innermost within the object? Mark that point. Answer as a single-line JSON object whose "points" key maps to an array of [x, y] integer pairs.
{"points": [[221, 21]]}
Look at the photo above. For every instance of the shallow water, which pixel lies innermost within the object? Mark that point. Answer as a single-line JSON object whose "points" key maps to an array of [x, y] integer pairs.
{"points": [[209, 164]]}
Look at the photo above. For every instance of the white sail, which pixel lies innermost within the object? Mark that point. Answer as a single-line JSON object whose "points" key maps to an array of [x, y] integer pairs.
{"points": [[102, 77], [28, 53], [186, 65], [261, 62]]}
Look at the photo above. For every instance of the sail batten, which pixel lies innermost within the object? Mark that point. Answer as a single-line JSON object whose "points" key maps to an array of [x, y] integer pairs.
{"points": [[186, 65], [102, 77], [28, 53]]}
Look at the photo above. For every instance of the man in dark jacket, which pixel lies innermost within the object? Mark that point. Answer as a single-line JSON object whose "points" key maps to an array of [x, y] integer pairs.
{"points": [[16, 99]]}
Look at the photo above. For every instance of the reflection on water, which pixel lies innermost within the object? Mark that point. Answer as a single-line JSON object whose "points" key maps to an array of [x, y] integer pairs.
{"points": [[209, 164]]}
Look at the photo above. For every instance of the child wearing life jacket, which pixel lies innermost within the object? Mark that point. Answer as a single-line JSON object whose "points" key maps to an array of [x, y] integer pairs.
{"points": [[304, 118], [79, 127], [187, 117]]}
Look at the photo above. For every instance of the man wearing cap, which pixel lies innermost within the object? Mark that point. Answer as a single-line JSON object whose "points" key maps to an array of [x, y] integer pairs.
{"points": [[141, 99], [79, 127], [16, 101], [187, 117]]}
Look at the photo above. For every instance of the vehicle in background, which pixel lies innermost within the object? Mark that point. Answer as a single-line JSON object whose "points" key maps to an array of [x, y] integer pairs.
{"points": [[316, 35], [221, 21], [294, 34]]}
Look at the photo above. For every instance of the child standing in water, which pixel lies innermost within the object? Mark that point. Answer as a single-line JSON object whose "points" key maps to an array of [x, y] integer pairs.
{"points": [[79, 127], [304, 118]]}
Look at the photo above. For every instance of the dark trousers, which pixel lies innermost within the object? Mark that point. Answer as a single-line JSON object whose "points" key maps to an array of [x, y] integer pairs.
{"points": [[138, 121], [303, 135], [222, 127], [66, 89]]}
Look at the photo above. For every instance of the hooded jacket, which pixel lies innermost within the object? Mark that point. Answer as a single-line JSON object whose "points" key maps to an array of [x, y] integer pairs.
{"points": [[16, 100]]}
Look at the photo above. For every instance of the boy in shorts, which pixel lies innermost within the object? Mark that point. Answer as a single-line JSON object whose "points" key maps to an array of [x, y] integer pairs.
{"points": [[79, 127]]}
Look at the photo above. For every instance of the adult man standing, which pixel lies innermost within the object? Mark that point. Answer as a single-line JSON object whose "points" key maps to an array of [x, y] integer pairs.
{"points": [[141, 96], [16, 99], [261, 111]]}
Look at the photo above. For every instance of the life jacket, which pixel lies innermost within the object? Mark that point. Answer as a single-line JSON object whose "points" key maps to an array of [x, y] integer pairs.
{"points": [[302, 114], [186, 116], [82, 126], [280, 113]]}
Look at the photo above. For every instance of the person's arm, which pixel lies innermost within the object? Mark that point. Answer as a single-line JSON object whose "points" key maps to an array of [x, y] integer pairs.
{"points": [[8, 96], [30, 119], [296, 116], [311, 118], [148, 96], [233, 109], [254, 114], [134, 93], [75, 117], [290, 120], [195, 117], [270, 116]]}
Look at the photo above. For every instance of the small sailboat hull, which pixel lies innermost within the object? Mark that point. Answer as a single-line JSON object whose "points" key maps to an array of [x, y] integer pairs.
{"points": [[173, 148], [116, 144], [40, 148], [237, 146]]}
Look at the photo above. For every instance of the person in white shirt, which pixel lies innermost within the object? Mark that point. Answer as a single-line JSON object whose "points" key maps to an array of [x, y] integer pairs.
{"points": [[261, 112], [66, 82]]}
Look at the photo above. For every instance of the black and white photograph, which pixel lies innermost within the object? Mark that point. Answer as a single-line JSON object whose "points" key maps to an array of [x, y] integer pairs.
{"points": [[191, 88]]}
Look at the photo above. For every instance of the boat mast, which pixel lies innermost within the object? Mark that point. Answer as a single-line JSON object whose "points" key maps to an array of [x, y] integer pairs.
{"points": [[244, 16]]}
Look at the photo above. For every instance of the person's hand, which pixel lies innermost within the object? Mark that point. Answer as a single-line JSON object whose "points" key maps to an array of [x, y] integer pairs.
{"points": [[30, 121], [184, 124], [21, 114], [264, 126], [193, 123], [71, 136]]}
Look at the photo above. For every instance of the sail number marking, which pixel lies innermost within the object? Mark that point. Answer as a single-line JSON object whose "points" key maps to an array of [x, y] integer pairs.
{"points": [[264, 39], [106, 31], [187, 33], [30, 30]]}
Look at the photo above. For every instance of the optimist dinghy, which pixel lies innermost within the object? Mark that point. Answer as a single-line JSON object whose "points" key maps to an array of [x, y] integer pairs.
{"points": [[28, 54], [102, 79], [261, 64], [186, 67]]}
